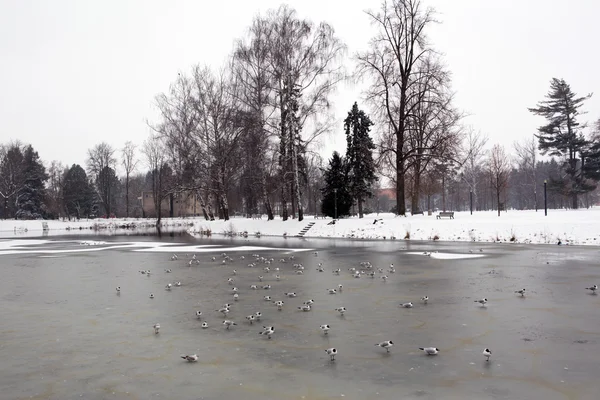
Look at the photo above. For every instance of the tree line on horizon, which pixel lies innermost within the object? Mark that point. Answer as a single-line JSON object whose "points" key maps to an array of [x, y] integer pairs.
{"points": [[244, 138]]}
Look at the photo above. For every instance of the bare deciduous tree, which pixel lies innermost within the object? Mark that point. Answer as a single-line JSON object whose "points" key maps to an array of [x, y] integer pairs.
{"points": [[498, 167], [391, 62], [160, 172], [130, 161], [526, 159], [100, 162], [306, 67], [474, 152]]}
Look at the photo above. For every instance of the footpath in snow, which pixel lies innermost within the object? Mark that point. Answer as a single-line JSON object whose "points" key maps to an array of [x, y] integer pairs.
{"points": [[575, 227]]}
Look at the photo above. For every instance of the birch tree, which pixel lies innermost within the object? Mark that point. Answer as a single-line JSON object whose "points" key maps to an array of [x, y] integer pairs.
{"points": [[129, 161]]}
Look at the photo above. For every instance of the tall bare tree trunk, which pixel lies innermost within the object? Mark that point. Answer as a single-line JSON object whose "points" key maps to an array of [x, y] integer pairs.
{"points": [[265, 197], [297, 180], [414, 204], [359, 200], [284, 211]]}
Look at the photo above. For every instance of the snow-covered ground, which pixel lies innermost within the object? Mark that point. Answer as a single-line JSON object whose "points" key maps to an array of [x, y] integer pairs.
{"points": [[578, 227]]}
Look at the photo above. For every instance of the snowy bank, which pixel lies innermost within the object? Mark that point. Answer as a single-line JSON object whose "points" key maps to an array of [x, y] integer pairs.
{"points": [[578, 227]]}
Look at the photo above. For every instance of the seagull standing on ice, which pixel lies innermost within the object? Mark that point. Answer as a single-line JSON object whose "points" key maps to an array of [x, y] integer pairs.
{"points": [[190, 358], [521, 292], [169, 286], [430, 351], [386, 345], [407, 305], [341, 310], [168, 271], [257, 315], [487, 353], [151, 295], [592, 288], [384, 278], [291, 294], [325, 328], [156, 328], [267, 298], [250, 318], [236, 297], [204, 325], [331, 353], [279, 304], [483, 302], [199, 314], [305, 307], [340, 288], [228, 324], [230, 281], [268, 331], [332, 291], [425, 299], [118, 289]]}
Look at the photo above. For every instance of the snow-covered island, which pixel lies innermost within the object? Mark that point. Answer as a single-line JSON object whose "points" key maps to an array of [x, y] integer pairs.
{"points": [[570, 227]]}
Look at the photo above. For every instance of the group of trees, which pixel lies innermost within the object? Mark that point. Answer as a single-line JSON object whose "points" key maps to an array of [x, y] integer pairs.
{"points": [[243, 138]]}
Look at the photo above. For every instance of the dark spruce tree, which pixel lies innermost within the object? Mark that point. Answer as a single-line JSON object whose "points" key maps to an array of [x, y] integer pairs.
{"points": [[336, 190], [78, 193], [359, 156], [562, 137], [32, 197]]}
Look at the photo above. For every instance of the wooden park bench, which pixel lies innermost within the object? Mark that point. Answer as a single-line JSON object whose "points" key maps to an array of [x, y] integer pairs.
{"points": [[449, 214]]}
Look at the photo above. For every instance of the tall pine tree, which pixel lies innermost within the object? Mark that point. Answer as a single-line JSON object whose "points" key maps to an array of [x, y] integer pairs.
{"points": [[562, 136], [78, 193], [359, 156], [337, 199], [31, 203]]}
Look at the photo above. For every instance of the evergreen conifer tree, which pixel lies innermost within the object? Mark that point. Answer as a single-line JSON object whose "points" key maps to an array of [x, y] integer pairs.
{"points": [[359, 156], [337, 199], [562, 136], [32, 197]]}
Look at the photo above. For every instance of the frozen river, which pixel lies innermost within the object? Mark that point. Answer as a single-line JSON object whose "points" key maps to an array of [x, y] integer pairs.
{"points": [[66, 334]]}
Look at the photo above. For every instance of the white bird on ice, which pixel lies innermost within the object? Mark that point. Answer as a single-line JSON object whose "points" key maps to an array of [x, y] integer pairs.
{"points": [[268, 331], [341, 310], [230, 281], [190, 358], [267, 287], [253, 287], [168, 270], [386, 345], [156, 328], [430, 351], [305, 307], [320, 269], [325, 328], [228, 324], [118, 289], [340, 288], [299, 272], [407, 305], [483, 301], [234, 289], [151, 295], [199, 314], [260, 278], [174, 257], [234, 272], [331, 353], [178, 283], [310, 302], [384, 277], [236, 297], [521, 292], [332, 291], [425, 299], [257, 315], [277, 277], [251, 318], [267, 298], [204, 325], [337, 271], [592, 288], [169, 286], [291, 294], [487, 353], [279, 304]]}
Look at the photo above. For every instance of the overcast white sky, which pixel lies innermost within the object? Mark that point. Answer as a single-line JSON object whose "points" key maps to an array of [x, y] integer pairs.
{"points": [[74, 73]]}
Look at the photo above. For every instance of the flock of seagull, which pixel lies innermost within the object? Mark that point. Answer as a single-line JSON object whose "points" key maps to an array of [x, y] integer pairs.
{"points": [[366, 269]]}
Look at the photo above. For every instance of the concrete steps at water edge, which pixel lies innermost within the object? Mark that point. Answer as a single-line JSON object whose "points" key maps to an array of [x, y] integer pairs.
{"points": [[305, 229]]}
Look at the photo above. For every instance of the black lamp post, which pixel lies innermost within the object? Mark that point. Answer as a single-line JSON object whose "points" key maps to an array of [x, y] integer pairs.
{"points": [[545, 199], [335, 200], [471, 200]]}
